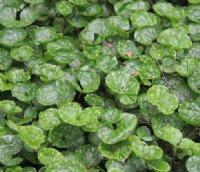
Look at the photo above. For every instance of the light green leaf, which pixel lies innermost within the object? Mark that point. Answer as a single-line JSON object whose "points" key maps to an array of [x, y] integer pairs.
{"points": [[189, 112], [176, 38], [159, 96], [24, 91], [124, 127], [122, 83], [118, 151], [49, 118], [193, 164], [10, 107], [142, 150], [32, 136], [142, 19], [48, 155], [159, 165]]}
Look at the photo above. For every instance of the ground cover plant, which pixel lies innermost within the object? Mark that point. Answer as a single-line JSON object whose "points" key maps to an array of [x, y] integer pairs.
{"points": [[99, 85]]}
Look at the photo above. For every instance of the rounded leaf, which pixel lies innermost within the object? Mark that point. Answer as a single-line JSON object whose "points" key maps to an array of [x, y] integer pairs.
{"points": [[32, 136], [176, 38], [124, 128], [193, 164], [118, 151], [49, 118], [65, 135], [159, 96], [189, 112], [122, 83]]}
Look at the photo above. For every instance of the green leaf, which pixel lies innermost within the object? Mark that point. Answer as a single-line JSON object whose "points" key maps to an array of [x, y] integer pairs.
{"points": [[119, 25], [159, 165], [189, 112], [43, 35], [124, 127], [64, 8], [142, 150], [90, 155], [10, 107], [142, 19], [148, 69], [159, 96], [65, 135], [194, 1], [176, 38], [49, 118], [52, 93], [9, 145], [66, 165], [12, 37], [91, 9], [79, 2], [147, 35], [15, 75], [192, 164], [24, 91], [71, 113], [89, 81], [144, 133], [193, 80], [193, 13], [118, 151], [122, 83], [48, 155], [159, 51], [32, 136], [48, 72], [94, 100], [187, 67], [164, 126], [167, 10], [21, 53], [127, 49], [5, 59]]}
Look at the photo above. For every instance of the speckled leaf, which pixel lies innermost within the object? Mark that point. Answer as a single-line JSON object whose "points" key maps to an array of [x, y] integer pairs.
{"points": [[194, 80], [10, 107], [166, 103], [144, 151], [189, 112], [194, 13], [186, 67], [118, 151], [143, 19], [125, 126], [159, 165], [32, 136], [49, 118], [122, 83], [11, 37], [147, 35], [166, 9], [176, 38], [193, 164], [159, 51], [24, 91], [64, 135], [48, 155], [5, 59]]}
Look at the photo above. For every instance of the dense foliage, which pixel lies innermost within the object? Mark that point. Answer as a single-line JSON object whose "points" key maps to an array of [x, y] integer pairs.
{"points": [[99, 85]]}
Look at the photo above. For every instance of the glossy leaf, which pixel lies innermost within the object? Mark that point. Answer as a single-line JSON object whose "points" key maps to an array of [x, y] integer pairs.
{"points": [[166, 103], [176, 38], [32, 136], [125, 126], [118, 151]]}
